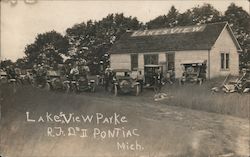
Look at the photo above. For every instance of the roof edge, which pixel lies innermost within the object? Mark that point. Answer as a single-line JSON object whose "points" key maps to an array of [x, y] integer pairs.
{"points": [[231, 34]]}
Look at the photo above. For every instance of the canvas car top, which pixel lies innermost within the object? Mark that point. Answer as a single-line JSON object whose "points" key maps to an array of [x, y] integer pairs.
{"points": [[53, 73], [194, 62], [121, 70], [152, 65]]}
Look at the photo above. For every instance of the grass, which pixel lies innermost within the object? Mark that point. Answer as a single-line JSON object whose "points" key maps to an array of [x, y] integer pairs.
{"points": [[189, 96], [201, 98]]}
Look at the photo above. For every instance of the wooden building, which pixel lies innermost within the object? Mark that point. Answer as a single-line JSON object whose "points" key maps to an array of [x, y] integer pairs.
{"points": [[213, 43]]}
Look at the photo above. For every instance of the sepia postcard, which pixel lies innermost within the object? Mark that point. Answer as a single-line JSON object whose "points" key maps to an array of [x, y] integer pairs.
{"points": [[127, 78]]}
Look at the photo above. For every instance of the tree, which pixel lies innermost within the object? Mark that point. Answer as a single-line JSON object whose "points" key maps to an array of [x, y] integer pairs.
{"points": [[197, 15], [205, 14], [6, 63], [21, 63], [186, 18], [239, 20], [172, 17], [92, 40], [48, 48], [169, 20]]}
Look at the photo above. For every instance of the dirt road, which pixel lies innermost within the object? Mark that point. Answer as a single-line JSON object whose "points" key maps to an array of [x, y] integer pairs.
{"points": [[31, 123]]}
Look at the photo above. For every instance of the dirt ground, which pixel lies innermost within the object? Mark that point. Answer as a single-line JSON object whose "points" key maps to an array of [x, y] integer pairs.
{"points": [[161, 129]]}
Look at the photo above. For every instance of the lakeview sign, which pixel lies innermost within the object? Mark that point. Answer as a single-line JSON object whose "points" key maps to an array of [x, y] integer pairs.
{"points": [[189, 29]]}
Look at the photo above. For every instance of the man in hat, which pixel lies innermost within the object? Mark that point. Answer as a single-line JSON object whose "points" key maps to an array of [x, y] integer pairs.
{"points": [[108, 77]]}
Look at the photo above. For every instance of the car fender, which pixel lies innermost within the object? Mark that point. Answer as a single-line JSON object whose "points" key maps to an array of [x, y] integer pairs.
{"points": [[135, 84]]}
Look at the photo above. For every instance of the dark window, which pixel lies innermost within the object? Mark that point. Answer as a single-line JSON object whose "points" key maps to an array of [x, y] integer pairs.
{"points": [[227, 60], [170, 61], [134, 62], [151, 59], [224, 61]]}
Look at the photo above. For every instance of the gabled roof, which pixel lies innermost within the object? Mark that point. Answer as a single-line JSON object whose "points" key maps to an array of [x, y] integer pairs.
{"points": [[198, 37]]}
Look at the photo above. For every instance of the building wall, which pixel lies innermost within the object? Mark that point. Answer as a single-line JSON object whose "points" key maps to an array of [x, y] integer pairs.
{"points": [[123, 61], [188, 56], [120, 61], [224, 44]]}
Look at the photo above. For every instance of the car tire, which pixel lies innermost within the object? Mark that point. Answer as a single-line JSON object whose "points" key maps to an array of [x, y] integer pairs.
{"points": [[115, 90], [47, 87], [67, 88], [137, 90], [93, 88]]}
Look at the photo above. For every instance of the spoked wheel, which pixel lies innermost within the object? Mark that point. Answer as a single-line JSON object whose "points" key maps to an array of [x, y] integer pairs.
{"points": [[14, 87], [109, 89], [75, 89], [67, 88], [93, 88], [115, 90], [137, 90], [47, 87]]}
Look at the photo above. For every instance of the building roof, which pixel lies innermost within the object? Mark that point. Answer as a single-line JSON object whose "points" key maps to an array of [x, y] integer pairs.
{"points": [[198, 37]]}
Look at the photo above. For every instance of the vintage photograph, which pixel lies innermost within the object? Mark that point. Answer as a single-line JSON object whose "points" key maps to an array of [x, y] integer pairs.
{"points": [[135, 78]]}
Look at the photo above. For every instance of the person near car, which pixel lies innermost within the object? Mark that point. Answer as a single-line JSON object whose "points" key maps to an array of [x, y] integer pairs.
{"points": [[11, 73], [158, 78], [108, 77], [41, 75], [74, 72], [140, 79]]}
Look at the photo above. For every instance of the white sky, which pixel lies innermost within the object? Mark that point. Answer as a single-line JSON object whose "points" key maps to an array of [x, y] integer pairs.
{"points": [[21, 23]]}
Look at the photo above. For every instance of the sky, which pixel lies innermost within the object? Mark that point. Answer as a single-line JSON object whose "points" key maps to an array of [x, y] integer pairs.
{"points": [[21, 22]]}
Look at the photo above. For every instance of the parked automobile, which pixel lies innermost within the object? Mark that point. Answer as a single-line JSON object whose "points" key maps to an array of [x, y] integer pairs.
{"points": [[123, 83], [194, 72], [240, 85], [3, 76], [57, 82], [153, 75], [81, 84]]}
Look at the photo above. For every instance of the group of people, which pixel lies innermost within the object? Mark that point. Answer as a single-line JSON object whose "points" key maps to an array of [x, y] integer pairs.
{"points": [[157, 79], [71, 71]]}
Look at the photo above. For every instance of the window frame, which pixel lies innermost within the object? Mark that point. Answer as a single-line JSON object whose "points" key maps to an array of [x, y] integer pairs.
{"points": [[151, 60], [134, 63], [224, 61]]}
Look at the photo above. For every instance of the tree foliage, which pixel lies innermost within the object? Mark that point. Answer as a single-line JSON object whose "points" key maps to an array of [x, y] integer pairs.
{"points": [[91, 40], [6, 63], [48, 48], [238, 19]]}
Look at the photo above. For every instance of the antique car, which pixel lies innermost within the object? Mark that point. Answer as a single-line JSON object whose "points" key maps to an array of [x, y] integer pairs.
{"points": [[123, 83], [3, 76], [150, 74], [193, 72], [81, 84], [240, 85], [56, 82], [22, 76]]}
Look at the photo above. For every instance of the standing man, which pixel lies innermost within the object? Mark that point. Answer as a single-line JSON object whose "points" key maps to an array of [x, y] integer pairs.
{"points": [[107, 77], [140, 79], [159, 79]]}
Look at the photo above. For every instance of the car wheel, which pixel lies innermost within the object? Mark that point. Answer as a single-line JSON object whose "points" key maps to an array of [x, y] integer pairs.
{"points": [[47, 87], [137, 90], [93, 88], [67, 88], [115, 90], [14, 87]]}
